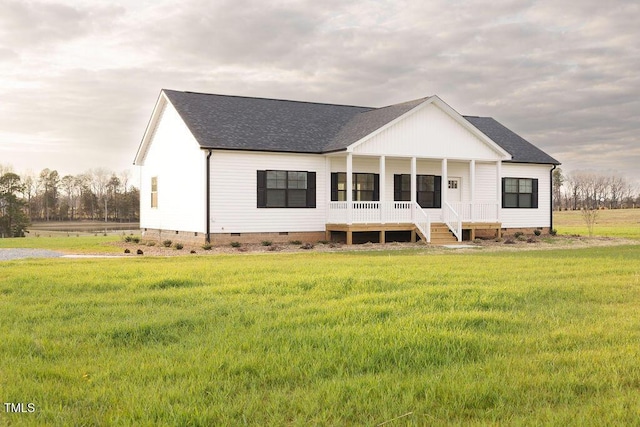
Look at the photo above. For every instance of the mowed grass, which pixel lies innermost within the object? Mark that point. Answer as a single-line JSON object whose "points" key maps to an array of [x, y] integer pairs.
{"points": [[502, 338], [609, 223], [69, 244]]}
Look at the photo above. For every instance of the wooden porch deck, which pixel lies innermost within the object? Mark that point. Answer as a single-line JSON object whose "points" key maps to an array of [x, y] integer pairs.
{"points": [[440, 234]]}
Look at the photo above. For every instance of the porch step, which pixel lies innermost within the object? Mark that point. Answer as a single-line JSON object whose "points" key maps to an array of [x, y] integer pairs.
{"points": [[441, 235]]}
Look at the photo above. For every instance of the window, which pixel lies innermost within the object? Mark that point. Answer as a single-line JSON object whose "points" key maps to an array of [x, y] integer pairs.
{"points": [[154, 192], [366, 187], [453, 184], [428, 189], [519, 193], [286, 189]]}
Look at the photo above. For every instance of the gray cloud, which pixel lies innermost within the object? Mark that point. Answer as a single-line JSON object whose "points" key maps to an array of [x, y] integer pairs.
{"points": [[564, 76]]}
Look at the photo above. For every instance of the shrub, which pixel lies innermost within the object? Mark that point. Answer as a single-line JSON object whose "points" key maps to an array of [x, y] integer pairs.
{"points": [[128, 239], [532, 240], [517, 234], [477, 240], [323, 242], [206, 246], [235, 244], [553, 231], [167, 243], [178, 246], [295, 242], [127, 251], [273, 248], [537, 232], [498, 239], [509, 242], [192, 251], [151, 243], [521, 238], [307, 246], [267, 243]]}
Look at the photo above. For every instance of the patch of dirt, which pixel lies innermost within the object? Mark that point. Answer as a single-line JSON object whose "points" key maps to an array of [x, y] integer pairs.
{"points": [[530, 243]]}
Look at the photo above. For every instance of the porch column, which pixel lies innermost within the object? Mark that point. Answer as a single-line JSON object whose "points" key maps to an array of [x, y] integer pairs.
{"points": [[413, 185], [444, 183], [381, 189], [349, 186], [472, 189], [498, 189], [413, 180], [327, 188]]}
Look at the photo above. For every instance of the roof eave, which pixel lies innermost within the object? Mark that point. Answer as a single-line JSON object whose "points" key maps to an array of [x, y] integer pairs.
{"points": [[149, 130]]}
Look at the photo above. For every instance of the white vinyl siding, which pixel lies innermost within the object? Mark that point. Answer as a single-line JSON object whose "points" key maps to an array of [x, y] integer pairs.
{"points": [[530, 217], [234, 184], [176, 161]]}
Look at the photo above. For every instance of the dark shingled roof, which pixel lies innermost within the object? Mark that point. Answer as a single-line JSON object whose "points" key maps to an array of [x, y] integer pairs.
{"points": [[260, 124], [521, 150]]}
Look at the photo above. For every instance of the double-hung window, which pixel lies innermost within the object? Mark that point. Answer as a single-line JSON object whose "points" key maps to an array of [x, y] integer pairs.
{"points": [[519, 193], [286, 189], [366, 187], [428, 189]]}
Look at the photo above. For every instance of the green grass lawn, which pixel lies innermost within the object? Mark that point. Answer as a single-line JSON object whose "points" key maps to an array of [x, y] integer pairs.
{"points": [[609, 223], [69, 244], [501, 338]]}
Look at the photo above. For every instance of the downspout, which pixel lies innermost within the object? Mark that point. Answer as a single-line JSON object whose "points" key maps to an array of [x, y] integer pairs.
{"points": [[551, 197], [208, 198]]}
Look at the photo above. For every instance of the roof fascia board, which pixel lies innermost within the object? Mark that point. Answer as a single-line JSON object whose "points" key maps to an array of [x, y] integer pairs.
{"points": [[434, 99], [150, 130], [471, 128]]}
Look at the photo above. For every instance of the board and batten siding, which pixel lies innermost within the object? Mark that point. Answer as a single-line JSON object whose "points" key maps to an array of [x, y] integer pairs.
{"points": [[527, 218], [428, 132], [174, 157], [234, 193]]}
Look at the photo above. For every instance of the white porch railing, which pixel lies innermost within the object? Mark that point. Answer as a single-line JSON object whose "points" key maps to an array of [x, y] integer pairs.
{"points": [[453, 214], [422, 221], [453, 220], [369, 213], [380, 213], [476, 212]]}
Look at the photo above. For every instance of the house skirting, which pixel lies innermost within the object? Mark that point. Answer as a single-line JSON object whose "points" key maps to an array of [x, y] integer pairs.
{"points": [[199, 238], [281, 237], [173, 235]]}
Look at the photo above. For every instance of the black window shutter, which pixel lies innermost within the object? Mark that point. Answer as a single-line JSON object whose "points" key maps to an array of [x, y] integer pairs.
{"points": [[503, 188], [262, 189], [334, 186], [311, 189], [376, 187], [437, 196], [534, 193], [397, 187]]}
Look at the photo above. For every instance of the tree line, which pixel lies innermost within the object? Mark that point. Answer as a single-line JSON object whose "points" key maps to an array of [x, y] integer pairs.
{"points": [[97, 194], [593, 190]]}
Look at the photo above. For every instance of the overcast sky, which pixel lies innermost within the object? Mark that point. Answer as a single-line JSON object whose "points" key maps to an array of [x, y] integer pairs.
{"points": [[79, 79]]}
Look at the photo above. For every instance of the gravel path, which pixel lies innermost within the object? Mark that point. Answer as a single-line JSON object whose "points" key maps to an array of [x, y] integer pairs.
{"points": [[9, 254]]}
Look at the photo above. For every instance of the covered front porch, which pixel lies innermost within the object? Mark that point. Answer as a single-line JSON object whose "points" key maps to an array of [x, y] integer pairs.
{"points": [[372, 193]]}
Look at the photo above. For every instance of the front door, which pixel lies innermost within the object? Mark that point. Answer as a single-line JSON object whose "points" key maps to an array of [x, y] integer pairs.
{"points": [[454, 189]]}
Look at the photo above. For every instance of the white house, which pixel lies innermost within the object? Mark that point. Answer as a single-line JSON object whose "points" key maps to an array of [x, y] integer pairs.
{"points": [[227, 168]]}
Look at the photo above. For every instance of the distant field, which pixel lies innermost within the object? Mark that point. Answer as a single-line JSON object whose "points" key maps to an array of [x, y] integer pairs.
{"points": [[609, 223], [72, 228], [502, 338]]}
